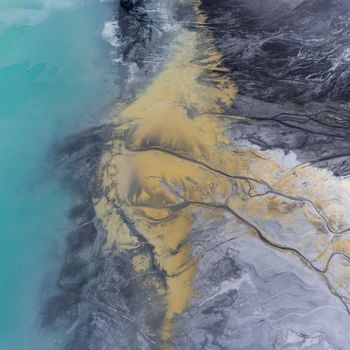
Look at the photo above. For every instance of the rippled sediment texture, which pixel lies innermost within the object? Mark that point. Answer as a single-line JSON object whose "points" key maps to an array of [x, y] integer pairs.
{"points": [[250, 246], [215, 209]]}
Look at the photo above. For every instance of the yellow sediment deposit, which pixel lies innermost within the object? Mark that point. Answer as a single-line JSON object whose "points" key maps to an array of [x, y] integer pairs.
{"points": [[170, 153], [142, 174]]}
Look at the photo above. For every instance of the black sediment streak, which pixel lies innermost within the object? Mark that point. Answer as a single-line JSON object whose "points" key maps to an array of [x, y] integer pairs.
{"points": [[289, 56], [270, 189], [99, 298], [293, 78]]}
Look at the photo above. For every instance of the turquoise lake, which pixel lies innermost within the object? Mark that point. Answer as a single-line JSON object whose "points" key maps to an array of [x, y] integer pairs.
{"points": [[56, 78]]}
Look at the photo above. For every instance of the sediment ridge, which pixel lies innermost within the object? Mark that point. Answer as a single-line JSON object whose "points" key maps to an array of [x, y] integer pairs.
{"points": [[196, 231]]}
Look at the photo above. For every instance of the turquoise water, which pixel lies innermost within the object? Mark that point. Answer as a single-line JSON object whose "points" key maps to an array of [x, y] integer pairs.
{"points": [[55, 79]]}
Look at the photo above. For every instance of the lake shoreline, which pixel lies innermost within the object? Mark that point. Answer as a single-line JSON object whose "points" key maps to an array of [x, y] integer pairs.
{"points": [[85, 260], [188, 176]]}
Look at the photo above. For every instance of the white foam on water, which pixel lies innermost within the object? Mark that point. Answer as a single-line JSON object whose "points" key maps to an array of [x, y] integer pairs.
{"points": [[110, 33]]}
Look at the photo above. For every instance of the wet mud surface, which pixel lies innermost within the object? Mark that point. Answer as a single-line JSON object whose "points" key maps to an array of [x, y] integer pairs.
{"points": [[215, 204]]}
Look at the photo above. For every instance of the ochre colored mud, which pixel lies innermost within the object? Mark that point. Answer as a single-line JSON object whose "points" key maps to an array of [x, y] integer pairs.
{"points": [[171, 154]]}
